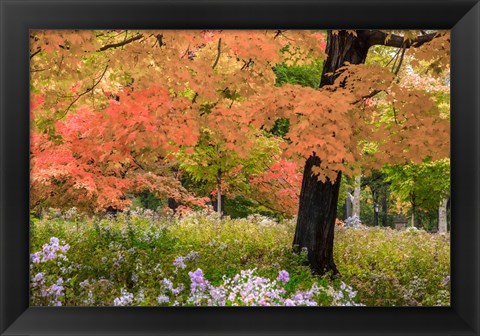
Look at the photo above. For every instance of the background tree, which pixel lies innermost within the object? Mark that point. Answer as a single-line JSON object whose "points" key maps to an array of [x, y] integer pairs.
{"points": [[222, 170], [424, 186], [101, 97]]}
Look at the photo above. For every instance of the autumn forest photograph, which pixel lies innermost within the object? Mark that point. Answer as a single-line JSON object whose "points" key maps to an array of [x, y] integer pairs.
{"points": [[240, 168]]}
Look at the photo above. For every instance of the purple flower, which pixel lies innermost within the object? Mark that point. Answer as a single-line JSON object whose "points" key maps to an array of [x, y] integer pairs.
{"points": [[167, 284], [49, 256], [176, 291], [259, 280], [161, 299], [298, 297], [283, 276], [84, 283], [289, 303], [192, 256], [57, 289], [35, 257], [179, 262], [64, 248], [49, 251], [196, 276], [197, 280], [38, 277], [125, 299]]}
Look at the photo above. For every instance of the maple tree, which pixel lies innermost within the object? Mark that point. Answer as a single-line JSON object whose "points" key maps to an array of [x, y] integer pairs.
{"points": [[77, 74], [112, 110], [222, 170]]}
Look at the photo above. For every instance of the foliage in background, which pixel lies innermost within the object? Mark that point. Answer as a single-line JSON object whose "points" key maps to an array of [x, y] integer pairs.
{"points": [[425, 184]]}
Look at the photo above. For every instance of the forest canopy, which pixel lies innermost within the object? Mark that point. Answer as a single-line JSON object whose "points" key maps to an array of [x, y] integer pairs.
{"points": [[184, 114]]}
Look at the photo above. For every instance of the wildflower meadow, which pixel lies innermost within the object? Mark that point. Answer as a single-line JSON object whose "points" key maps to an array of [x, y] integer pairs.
{"points": [[146, 259]]}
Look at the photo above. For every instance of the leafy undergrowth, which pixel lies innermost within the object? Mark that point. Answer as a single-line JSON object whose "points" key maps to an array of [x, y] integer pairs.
{"points": [[143, 259]]}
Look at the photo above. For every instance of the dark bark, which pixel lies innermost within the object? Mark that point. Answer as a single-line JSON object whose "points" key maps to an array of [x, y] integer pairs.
{"points": [[172, 203], [318, 200], [121, 44], [316, 219], [342, 47], [378, 37]]}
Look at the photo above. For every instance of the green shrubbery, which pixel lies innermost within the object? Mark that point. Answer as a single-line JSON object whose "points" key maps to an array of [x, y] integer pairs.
{"points": [[146, 259]]}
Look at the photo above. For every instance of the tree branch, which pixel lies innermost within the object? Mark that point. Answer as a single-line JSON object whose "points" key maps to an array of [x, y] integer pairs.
{"points": [[137, 163], [85, 92], [400, 61], [36, 52], [120, 44], [378, 37], [218, 53]]}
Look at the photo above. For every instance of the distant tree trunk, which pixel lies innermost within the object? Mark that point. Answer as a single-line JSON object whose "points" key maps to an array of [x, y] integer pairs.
{"points": [[318, 200], [384, 208], [412, 202], [356, 196], [172, 203], [442, 216], [348, 205], [219, 192]]}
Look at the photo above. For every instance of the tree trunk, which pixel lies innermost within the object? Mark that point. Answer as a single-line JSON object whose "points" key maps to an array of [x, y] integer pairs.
{"points": [[348, 205], [384, 208], [219, 192], [442, 216], [318, 200], [317, 212], [414, 207], [356, 196]]}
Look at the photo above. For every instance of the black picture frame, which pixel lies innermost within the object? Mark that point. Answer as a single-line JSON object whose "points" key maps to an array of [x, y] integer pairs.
{"points": [[17, 17]]}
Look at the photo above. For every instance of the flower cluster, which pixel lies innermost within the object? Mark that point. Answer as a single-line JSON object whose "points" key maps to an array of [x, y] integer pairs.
{"points": [[50, 251], [125, 299], [179, 261], [344, 296], [167, 289], [49, 287], [52, 294], [283, 277], [247, 289], [200, 290]]}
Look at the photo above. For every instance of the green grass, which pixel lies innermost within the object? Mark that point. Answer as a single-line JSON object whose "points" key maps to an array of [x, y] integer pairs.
{"points": [[136, 253]]}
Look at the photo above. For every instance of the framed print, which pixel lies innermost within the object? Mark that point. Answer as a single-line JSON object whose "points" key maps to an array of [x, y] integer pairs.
{"points": [[182, 167]]}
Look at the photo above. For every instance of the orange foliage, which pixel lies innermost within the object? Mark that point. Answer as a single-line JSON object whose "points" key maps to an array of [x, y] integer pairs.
{"points": [[113, 105]]}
